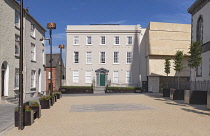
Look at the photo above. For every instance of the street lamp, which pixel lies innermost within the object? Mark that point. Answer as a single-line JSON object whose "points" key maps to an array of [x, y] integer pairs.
{"points": [[61, 46], [51, 26], [20, 124]]}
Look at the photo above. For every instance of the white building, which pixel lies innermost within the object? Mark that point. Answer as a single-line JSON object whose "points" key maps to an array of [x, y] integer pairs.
{"points": [[200, 10], [34, 52], [103, 53]]}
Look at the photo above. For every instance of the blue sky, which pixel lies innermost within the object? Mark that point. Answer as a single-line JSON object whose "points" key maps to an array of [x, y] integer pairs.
{"points": [[124, 12]]}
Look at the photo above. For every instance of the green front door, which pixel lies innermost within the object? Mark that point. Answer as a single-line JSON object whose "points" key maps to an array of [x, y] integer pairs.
{"points": [[102, 80]]}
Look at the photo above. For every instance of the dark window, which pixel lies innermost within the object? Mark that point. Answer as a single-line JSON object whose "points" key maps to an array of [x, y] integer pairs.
{"points": [[199, 32]]}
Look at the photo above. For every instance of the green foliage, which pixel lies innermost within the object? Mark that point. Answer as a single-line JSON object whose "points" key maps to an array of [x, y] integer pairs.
{"points": [[167, 65], [195, 54], [123, 88], [178, 66], [27, 108], [76, 87], [33, 103], [45, 97]]}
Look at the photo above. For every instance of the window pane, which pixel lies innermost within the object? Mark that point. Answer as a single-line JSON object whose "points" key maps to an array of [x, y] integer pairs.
{"points": [[89, 40], [103, 40], [89, 57], [76, 40], [129, 57], [115, 77], [116, 57], [76, 76], [16, 78], [88, 78], [102, 57], [76, 57], [117, 40]]}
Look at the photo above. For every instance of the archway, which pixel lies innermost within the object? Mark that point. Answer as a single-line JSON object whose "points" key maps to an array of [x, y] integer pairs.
{"points": [[101, 76], [4, 79]]}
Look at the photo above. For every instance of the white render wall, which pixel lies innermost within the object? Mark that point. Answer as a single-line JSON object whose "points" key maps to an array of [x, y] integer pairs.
{"points": [[206, 38], [109, 31], [7, 48]]}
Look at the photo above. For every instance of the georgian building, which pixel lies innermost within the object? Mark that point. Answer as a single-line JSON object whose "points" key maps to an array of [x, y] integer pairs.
{"points": [[33, 52], [201, 32], [103, 53]]}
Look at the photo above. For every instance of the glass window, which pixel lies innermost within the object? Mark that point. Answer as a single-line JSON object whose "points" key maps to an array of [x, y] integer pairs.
{"points": [[129, 40], [88, 76], [116, 57], [117, 40], [129, 57], [102, 57], [33, 78], [16, 78], [88, 57], [32, 30], [33, 52], [76, 57], [128, 77], [76, 76], [103, 40], [115, 77], [76, 40], [17, 18], [199, 70], [17, 45], [89, 40], [199, 34]]}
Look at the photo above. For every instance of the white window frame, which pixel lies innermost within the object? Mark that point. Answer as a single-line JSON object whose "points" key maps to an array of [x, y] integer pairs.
{"points": [[115, 76], [88, 57], [129, 58], [43, 57], [100, 57], [117, 38], [16, 85], [17, 45], [33, 28], [114, 57], [75, 76], [76, 61], [49, 75], [128, 76], [33, 52], [87, 40], [17, 18], [33, 78], [76, 40], [88, 76], [129, 40], [101, 40]]}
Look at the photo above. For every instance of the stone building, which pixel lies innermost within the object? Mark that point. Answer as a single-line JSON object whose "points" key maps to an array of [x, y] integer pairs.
{"points": [[163, 40], [34, 52], [103, 53], [200, 10], [56, 71]]}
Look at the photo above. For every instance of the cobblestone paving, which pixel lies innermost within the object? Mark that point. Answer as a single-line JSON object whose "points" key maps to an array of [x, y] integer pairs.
{"points": [[109, 107]]}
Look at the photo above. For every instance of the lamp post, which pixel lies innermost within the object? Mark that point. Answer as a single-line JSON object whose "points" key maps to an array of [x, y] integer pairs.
{"points": [[51, 26], [61, 46], [20, 123]]}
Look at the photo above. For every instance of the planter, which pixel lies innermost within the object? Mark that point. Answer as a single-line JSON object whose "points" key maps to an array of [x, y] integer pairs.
{"points": [[55, 97], [29, 118], [52, 101], [45, 104], [17, 118], [195, 97], [177, 94], [38, 111], [58, 96], [208, 100], [166, 92]]}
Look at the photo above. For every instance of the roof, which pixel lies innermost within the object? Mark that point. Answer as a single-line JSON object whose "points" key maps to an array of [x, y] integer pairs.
{"points": [[197, 5], [55, 60], [26, 11]]}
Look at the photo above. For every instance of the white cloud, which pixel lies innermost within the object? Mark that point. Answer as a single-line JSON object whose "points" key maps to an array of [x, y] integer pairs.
{"points": [[115, 22]]}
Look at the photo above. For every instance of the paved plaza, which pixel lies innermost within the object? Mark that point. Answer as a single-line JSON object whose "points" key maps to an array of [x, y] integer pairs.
{"points": [[119, 115]]}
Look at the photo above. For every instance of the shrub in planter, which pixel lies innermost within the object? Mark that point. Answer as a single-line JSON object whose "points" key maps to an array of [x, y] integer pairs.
{"points": [[29, 116], [195, 97], [58, 94], [34, 105], [45, 102]]}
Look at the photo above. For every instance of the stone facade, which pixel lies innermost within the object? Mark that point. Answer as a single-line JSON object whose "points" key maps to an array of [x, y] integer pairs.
{"points": [[9, 60], [120, 72], [163, 40], [200, 10]]}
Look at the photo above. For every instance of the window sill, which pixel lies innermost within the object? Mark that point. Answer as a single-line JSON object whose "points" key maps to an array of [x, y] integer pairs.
{"points": [[88, 63], [75, 44], [116, 44], [88, 44], [17, 27], [129, 45], [17, 56], [16, 89], [33, 37], [33, 88], [102, 44], [116, 63], [34, 61], [102, 63]]}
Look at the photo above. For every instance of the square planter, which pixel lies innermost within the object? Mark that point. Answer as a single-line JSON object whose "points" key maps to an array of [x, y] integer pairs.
{"points": [[208, 100], [176, 94], [52, 101], [166, 92], [195, 97], [17, 118], [55, 97], [29, 118], [45, 104], [58, 96], [37, 114]]}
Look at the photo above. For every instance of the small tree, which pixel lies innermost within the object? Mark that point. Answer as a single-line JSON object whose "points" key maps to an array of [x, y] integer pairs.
{"points": [[195, 57], [178, 66], [167, 67]]}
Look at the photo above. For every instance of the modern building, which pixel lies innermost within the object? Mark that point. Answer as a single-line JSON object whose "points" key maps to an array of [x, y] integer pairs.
{"points": [[163, 40], [101, 53], [58, 71], [201, 32], [33, 52]]}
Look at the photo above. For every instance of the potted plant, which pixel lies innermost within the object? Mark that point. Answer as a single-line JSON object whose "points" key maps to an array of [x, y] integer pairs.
{"points": [[34, 105], [45, 102], [58, 94], [29, 116], [52, 100]]}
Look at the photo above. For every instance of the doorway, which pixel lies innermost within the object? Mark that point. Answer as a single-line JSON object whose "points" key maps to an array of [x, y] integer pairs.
{"points": [[102, 79]]}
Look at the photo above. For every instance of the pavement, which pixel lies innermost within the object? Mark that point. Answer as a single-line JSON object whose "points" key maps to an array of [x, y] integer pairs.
{"points": [[146, 114]]}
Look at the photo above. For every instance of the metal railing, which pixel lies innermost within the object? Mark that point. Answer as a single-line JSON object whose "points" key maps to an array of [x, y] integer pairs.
{"points": [[200, 85]]}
